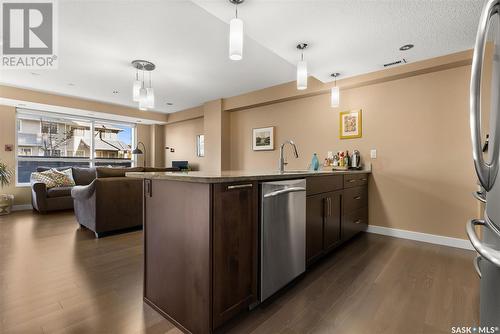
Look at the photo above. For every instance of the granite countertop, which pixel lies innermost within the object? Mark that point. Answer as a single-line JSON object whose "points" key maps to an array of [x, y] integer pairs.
{"points": [[236, 176]]}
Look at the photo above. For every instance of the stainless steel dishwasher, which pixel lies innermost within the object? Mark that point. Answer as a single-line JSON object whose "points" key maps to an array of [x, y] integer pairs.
{"points": [[283, 234]]}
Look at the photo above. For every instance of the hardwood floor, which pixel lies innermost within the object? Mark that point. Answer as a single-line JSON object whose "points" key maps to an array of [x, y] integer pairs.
{"points": [[55, 278]]}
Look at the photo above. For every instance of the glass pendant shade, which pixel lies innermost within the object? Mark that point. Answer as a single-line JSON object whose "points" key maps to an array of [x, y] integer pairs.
{"points": [[143, 99], [302, 75], [142, 105], [335, 97], [236, 39], [150, 98], [136, 90]]}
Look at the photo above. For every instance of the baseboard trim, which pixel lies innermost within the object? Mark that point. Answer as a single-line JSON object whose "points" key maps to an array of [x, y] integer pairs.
{"points": [[22, 207], [418, 236]]}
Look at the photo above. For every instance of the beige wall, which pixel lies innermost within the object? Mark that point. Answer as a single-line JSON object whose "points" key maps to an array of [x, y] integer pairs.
{"points": [[423, 175], [22, 195], [182, 137]]}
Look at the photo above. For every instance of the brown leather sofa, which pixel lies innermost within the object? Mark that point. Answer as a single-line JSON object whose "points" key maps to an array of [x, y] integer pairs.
{"points": [[46, 200], [112, 201]]}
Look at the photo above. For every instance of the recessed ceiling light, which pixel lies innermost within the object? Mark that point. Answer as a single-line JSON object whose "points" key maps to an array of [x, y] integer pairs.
{"points": [[115, 92], [406, 47], [71, 84], [169, 104]]}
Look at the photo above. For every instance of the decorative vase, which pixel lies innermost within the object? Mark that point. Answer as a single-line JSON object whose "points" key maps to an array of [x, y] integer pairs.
{"points": [[6, 202], [315, 162]]}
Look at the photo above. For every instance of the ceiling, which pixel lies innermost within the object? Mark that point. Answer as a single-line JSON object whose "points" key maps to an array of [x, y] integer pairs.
{"points": [[187, 40], [355, 36]]}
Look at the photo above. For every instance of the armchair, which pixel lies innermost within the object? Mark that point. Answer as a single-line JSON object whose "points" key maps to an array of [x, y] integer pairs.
{"points": [[109, 204]]}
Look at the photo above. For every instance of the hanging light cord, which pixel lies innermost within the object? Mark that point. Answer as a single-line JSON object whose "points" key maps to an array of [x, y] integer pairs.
{"points": [[236, 6]]}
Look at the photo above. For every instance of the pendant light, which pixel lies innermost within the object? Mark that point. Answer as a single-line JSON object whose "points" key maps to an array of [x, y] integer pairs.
{"points": [[136, 87], [335, 93], [236, 35], [150, 95], [302, 68], [142, 93]]}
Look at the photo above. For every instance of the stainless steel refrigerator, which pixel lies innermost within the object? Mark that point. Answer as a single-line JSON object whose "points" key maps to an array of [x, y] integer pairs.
{"points": [[487, 262]]}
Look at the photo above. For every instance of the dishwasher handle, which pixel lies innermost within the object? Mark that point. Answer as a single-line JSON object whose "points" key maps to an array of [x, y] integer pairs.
{"points": [[284, 191]]}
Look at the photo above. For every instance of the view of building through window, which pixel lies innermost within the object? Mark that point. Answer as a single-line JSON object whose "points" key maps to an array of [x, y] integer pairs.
{"points": [[58, 142]]}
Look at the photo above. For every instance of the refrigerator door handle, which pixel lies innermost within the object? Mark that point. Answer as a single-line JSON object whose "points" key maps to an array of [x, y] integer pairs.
{"points": [[486, 171], [476, 265], [479, 196], [484, 251]]}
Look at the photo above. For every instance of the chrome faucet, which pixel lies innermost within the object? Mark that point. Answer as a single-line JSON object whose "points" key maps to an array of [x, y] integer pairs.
{"points": [[282, 158]]}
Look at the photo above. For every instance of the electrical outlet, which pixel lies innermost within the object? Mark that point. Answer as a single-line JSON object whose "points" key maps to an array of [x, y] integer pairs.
{"points": [[373, 154]]}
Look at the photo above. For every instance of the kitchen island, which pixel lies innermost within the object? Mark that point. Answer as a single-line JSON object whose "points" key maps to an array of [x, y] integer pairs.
{"points": [[201, 237]]}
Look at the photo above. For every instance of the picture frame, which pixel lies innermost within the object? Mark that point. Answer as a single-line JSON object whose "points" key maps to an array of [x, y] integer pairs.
{"points": [[263, 139], [350, 124]]}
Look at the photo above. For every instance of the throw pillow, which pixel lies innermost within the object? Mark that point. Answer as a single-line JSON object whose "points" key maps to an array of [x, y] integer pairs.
{"points": [[44, 177], [63, 178]]}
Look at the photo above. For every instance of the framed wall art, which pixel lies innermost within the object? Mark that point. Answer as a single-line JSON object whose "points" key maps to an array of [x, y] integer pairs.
{"points": [[263, 139], [350, 124]]}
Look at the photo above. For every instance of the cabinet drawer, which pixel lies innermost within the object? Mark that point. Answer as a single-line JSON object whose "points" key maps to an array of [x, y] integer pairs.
{"points": [[354, 223], [323, 184], [354, 198], [355, 180]]}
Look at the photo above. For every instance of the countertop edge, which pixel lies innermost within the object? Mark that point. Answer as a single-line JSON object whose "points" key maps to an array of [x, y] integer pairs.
{"points": [[186, 177]]}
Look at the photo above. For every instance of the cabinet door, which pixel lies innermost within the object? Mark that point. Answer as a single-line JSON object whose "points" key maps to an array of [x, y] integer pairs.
{"points": [[315, 212], [354, 222], [234, 249], [332, 219]]}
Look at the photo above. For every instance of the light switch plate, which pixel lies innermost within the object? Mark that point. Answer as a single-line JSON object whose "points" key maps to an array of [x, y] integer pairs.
{"points": [[373, 154]]}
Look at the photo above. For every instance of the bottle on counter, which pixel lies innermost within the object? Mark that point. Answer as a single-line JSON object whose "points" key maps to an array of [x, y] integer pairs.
{"points": [[315, 162], [347, 159], [335, 162]]}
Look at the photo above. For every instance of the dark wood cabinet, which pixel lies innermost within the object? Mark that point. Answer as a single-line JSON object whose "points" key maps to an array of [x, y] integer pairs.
{"points": [[235, 209], [354, 222], [355, 180], [315, 212], [201, 242], [331, 232], [322, 223], [337, 210]]}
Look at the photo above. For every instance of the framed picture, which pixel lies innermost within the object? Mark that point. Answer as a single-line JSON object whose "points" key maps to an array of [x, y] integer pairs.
{"points": [[263, 139], [350, 124]]}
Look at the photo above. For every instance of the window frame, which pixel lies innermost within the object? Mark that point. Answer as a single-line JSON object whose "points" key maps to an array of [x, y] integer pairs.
{"points": [[92, 159]]}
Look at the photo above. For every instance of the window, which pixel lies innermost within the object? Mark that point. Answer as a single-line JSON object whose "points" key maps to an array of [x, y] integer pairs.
{"points": [[200, 145], [48, 127], [44, 139], [25, 151]]}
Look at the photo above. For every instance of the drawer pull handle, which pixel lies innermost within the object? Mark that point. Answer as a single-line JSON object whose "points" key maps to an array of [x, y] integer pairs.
{"points": [[358, 221], [364, 179], [240, 186], [357, 198], [351, 180]]}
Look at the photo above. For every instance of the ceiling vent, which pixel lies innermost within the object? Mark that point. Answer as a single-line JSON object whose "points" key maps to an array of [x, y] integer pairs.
{"points": [[397, 62]]}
